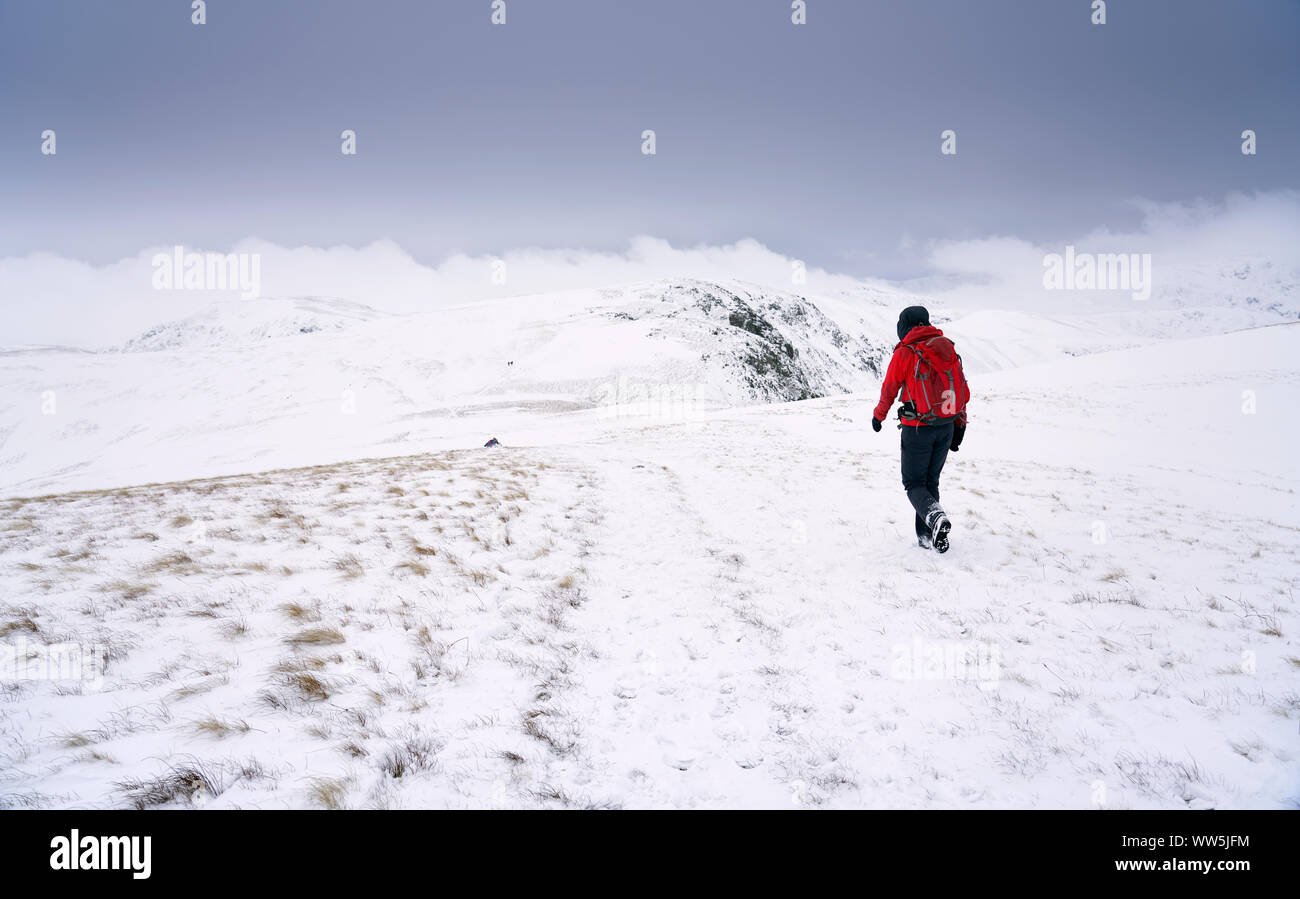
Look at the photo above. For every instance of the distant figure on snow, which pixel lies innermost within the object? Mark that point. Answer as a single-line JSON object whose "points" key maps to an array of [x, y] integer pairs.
{"points": [[493, 442], [932, 417]]}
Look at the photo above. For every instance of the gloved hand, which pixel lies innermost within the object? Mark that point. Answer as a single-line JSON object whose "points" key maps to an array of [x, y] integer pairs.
{"points": [[958, 434], [875, 425]]}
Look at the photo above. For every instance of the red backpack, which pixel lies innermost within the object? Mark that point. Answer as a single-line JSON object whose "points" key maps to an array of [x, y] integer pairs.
{"points": [[935, 385]]}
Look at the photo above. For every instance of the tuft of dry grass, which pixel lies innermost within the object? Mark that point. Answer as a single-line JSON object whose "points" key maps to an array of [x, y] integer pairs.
{"points": [[412, 756], [298, 612], [292, 690], [127, 590], [203, 685], [192, 784], [538, 724], [350, 566], [219, 728], [305, 663], [95, 755], [278, 508], [235, 628], [330, 792], [178, 563], [24, 623], [316, 636], [308, 686]]}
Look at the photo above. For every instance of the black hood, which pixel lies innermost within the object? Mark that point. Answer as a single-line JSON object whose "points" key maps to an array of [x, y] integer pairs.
{"points": [[910, 317]]}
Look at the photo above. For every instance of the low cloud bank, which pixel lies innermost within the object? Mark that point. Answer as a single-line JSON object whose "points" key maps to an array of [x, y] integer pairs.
{"points": [[49, 299], [1196, 252]]}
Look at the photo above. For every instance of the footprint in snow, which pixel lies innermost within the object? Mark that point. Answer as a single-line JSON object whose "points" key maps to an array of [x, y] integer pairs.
{"points": [[679, 760]]}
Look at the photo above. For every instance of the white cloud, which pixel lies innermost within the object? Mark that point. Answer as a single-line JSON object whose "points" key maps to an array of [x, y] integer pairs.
{"points": [[51, 299], [1188, 243]]}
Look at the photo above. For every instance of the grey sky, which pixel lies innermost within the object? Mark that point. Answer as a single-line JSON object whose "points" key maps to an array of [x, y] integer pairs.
{"points": [[822, 141]]}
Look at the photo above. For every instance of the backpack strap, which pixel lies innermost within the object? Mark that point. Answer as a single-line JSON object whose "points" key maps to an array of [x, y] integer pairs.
{"points": [[916, 376]]}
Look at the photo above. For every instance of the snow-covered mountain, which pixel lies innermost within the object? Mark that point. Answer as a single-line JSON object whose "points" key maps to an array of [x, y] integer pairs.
{"points": [[234, 323], [254, 384], [768, 346], [273, 382], [1251, 285]]}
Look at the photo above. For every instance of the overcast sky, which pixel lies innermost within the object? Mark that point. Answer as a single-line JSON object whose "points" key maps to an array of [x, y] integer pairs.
{"points": [[821, 141]]}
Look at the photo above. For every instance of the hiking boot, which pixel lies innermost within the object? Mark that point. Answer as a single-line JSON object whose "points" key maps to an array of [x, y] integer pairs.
{"points": [[939, 527]]}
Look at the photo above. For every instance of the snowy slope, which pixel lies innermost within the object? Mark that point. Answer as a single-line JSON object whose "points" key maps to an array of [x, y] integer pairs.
{"points": [[726, 609], [249, 385], [242, 322], [257, 384], [1251, 286]]}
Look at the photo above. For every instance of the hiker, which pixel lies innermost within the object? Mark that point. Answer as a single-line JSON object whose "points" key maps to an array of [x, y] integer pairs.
{"points": [[932, 417]]}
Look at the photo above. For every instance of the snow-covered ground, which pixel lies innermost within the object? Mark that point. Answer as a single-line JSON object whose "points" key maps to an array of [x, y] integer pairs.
{"points": [[258, 384], [673, 601]]}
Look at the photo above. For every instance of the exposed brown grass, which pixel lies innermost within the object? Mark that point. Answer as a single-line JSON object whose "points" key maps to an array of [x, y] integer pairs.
{"points": [[22, 624], [298, 612], [316, 636], [350, 566], [127, 590], [219, 728], [177, 563], [329, 792]]}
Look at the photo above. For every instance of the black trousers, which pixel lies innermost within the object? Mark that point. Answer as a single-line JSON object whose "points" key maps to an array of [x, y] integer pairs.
{"points": [[925, 449]]}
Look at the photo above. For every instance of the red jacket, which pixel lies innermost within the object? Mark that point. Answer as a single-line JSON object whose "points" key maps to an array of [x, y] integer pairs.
{"points": [[900, 366]]}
